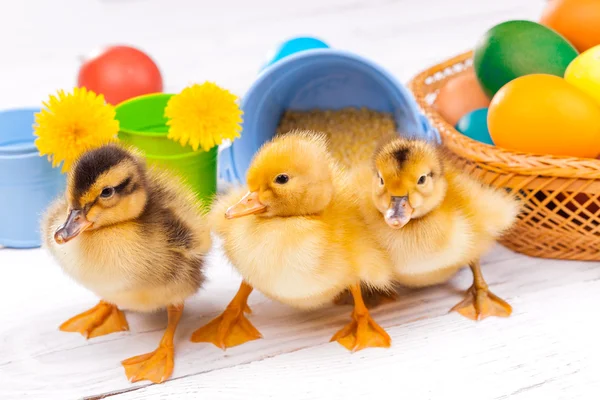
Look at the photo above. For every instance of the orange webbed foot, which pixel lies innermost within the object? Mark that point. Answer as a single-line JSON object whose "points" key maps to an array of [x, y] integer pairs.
{"points": [[481, 303], [100, 320], [156, 366], [361, 333], [229, 329]]}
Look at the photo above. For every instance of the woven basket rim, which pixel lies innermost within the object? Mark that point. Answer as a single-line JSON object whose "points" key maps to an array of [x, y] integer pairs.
{"points": [[507, 160]]}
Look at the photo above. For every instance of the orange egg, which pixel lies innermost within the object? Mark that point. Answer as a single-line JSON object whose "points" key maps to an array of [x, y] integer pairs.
{"points": [[544, 114], [459, 96], [576, 20]]}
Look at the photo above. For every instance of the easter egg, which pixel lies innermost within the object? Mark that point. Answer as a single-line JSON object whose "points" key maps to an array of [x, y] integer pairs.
{"points": [[544, 114], [577, 20], [516, 48], [459, 96], [120, 73], [584, 72], [474, 125]]}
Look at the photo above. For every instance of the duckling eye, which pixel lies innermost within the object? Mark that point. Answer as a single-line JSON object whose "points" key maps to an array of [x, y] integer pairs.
{"points": [[422, 180], [282, 179], [381, 181], [107, 192]]}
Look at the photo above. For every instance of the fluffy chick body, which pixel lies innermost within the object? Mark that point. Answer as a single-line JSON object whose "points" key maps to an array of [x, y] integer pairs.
{"points": [[444, 235], [306, 259], [144, 262]]}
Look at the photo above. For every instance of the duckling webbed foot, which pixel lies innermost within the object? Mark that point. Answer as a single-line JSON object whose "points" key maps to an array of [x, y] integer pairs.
{"points": [[100, 320], [156, 366], [363, 331], [231, 328], [479, 302]]}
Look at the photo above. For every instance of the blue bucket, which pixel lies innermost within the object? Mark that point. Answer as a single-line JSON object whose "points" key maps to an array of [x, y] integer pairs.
{"points": [[306, 74], [28, 183]]}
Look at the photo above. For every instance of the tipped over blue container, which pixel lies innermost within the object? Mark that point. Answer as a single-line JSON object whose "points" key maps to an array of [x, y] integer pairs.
{"points": [[306, 74], [28, 183]]}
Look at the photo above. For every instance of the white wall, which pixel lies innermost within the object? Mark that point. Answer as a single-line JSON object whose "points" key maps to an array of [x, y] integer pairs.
{"points": [[228, 40]]}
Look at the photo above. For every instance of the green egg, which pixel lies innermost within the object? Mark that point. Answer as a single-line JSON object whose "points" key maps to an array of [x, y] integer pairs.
{"points": [[516, 48]]}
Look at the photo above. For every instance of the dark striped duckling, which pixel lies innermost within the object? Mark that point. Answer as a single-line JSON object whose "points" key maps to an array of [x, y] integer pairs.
{"points": [[137, 238]]}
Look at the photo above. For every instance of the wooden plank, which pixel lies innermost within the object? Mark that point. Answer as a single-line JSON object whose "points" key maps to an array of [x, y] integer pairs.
{"points": [[540, 352], [39, 360]]}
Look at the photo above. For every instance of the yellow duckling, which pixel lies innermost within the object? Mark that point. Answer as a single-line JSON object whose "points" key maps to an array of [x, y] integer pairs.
{"points": [[433, 219], [136, 238], [296, 235]]}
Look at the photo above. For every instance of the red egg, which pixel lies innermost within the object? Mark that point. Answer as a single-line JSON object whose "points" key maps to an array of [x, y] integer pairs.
{"points": [[120, 73]]}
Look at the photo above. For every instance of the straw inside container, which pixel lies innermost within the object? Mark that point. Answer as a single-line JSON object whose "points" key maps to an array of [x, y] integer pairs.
{"points": [[353, 133]]}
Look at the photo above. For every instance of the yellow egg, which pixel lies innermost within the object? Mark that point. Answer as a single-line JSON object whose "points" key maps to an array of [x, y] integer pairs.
{"points": [[544, 114], [584, 72]]}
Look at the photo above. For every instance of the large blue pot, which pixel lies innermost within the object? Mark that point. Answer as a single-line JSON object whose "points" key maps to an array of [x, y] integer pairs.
{"points": [[305, 74]]}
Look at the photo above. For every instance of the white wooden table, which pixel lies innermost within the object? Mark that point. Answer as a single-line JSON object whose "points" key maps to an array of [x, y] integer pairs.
{"points": [[548, 349]]}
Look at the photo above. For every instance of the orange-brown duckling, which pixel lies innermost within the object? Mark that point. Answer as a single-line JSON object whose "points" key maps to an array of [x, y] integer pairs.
{"points": [[134, 236], [296, 235], [433, 219]]}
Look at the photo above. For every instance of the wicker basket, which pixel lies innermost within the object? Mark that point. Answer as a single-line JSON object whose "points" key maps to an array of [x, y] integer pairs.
{"points": [[560, 216]]}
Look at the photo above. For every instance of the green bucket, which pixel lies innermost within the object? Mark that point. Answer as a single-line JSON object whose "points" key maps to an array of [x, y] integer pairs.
{"points": [[143, 125]]}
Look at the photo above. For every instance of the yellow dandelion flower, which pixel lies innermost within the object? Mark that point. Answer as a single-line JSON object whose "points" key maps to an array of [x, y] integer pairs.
{"points": [[203, 116], [73, 123]]}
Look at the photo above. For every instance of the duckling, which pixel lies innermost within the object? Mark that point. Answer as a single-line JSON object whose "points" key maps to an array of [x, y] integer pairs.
{"points": [[434, 219], [296, 235], [137, 238]]}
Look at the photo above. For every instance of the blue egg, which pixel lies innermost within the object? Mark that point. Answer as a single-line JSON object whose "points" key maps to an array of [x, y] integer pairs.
{"points": [[296, 45], [474, 125]]}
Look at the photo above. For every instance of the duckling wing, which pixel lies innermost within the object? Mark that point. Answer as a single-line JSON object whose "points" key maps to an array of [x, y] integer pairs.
{"points": [[492, 210], [173, 232], [178, 212]]}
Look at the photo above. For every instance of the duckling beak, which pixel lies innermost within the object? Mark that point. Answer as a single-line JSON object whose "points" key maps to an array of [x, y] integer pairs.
{"points": [[75, 224], [399, 212], [249, 204]]}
